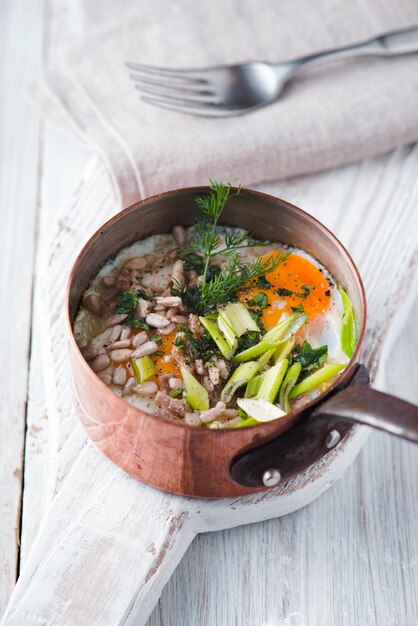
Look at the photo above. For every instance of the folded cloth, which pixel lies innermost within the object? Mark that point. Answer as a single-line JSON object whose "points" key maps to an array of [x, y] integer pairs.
{"points": [[326, 117]]}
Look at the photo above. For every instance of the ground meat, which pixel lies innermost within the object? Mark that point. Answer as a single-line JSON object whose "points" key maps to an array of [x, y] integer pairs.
{"points": [[173, 405], [195, 325]]}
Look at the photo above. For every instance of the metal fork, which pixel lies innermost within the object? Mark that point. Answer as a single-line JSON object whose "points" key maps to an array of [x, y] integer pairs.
{"points": [[228, 90]]}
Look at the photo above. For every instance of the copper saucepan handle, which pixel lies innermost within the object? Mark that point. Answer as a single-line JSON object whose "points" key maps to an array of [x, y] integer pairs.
{"points": [[302, 446]]}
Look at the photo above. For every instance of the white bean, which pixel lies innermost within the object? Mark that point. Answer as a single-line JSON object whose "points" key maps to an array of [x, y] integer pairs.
{"points": [[179, 234], [100, 363], [108, 281], [126, 333], [139, 339], [115, 333], [82, 342], [168, 300], [146, 389], [119, 344], [115, 319], [93, 304], [157, 321], [179, 319], [89, 352], [119, 376], [106, 377], [129, 385], [138, 263], [175, 383], [147, 348], [118, 356], [167, 330]]}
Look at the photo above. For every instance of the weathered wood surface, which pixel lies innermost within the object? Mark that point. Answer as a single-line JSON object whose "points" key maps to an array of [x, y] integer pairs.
{"points": [[350, 557], [19, 146]]}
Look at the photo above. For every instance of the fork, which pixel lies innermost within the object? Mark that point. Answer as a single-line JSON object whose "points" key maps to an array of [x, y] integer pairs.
{"points": [[228, 90]]}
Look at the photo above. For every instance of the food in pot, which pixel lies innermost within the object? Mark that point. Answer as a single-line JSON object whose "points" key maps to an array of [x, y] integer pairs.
{"points": [[213, 328]]}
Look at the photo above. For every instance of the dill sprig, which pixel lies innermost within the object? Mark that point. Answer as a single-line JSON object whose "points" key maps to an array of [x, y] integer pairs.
{"points": [[236, 276], [219, 285], [206, 238]]}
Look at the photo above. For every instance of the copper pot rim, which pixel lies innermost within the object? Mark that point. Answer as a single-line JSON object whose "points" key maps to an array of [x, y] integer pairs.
{"points": [[265, 429]]}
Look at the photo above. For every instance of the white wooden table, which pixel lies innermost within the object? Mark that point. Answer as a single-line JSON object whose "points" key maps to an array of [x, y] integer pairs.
{"points": [[351, 557]]}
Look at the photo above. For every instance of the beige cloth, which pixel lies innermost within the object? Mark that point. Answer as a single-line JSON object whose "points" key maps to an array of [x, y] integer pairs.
{"points": [[330, 116]]}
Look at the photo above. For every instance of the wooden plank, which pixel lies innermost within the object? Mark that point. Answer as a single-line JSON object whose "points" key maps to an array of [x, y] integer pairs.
{"points": [[19, 177], [85, 512], [57, 186]]}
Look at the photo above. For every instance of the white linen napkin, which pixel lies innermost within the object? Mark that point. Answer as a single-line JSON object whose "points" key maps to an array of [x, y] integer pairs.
{"points": [[326, 117]]}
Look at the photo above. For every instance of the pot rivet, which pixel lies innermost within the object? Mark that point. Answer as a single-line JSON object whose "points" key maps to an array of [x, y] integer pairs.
{"points": [[271, 477], [332, 439]]}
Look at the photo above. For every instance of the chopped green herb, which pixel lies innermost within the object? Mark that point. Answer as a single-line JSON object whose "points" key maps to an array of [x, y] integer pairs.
{"points": [[283, 293], [309, 358], [298, 309], [156, 338], [260, 300], [127, 302], [263, 283], [193, 261], [304, 293], [141, 294], [179, 343], [134, 321], [176, 393], [306, 290], [247, 340], [194, 348]]}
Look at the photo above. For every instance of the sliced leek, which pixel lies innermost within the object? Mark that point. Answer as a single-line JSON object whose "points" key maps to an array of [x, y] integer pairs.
{"points": [[253, 386], [315, 379], [143, 368], [239, 318], [272, 379], [348, 325], [212, 327], [281, 332], [241, 376], [264, 359], [227, 331], [260, 410], [196, 395], [250, 421], [283, 349], [288, 383]]}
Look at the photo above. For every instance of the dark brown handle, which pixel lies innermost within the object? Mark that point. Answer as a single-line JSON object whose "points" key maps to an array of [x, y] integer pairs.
{"points": [[363, 405], [303, 445]]}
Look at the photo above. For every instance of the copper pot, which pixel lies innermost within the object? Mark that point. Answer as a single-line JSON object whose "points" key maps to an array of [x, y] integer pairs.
{"points": [[232, 462]]}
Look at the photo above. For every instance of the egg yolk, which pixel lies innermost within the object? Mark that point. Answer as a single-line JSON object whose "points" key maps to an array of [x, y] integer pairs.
{"points": [[294, 282]]}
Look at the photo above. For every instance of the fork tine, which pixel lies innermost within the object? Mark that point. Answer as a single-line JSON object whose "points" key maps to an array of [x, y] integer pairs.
{"points": [[207, 110], [203, 98], [167, 83], [191, 75]]}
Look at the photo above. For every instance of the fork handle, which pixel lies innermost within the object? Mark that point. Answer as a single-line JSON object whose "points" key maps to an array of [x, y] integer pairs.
{"points": [[391, 44]]}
